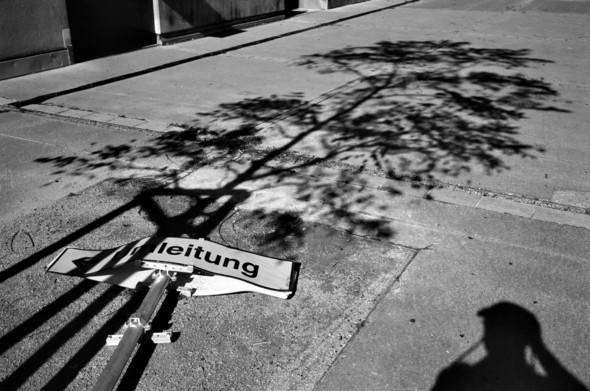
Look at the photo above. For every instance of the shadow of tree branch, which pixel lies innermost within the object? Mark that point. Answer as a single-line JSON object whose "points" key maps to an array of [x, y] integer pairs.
{"points": [[422, 110], [432, 107]]}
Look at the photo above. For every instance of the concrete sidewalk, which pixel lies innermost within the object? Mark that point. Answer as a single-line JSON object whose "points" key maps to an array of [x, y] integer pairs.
{"points": [[453, 131]]}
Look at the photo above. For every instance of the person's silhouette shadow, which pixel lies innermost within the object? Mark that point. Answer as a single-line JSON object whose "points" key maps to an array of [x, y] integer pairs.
{"points": [[517, 359]]}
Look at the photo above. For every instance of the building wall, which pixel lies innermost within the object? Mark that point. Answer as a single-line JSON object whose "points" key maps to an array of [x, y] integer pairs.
{"points": [[323, 4], [101, 28], [179, 15], [37, 35], [34, 36], [342, 3]]}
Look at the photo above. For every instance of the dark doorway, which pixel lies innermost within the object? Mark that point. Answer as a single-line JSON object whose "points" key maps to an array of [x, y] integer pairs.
{"points": [[101, 28]]}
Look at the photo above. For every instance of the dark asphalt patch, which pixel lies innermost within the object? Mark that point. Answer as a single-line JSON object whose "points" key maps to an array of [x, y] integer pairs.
{"points": [[54, 327]]}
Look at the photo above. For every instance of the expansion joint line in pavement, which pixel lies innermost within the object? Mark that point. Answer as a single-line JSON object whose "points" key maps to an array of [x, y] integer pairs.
{"points": [[366, 314], [100, 83]]}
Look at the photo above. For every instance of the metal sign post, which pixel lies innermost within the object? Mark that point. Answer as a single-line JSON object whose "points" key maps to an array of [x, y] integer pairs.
{"points": [[210, 268], [137, 325]]}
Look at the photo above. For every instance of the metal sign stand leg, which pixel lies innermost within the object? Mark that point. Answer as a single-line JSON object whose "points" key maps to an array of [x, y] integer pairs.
{"points": [[138, 324], [278, 280]]}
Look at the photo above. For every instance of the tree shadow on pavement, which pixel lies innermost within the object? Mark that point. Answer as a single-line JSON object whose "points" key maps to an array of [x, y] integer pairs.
{"points": [[517, 358], [416, 110], [171, 212]]}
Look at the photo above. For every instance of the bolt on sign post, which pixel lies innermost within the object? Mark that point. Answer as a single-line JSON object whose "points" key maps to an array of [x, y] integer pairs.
{"points": [[209, 269]]}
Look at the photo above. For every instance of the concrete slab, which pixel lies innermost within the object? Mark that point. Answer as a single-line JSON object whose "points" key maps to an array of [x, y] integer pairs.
{"points": [[411, 337], [76, 113], [476, 260], [455, 197], [506, 206], [126, 121], [569, 197], [157, 126], [49, 109], [562, 217], [101, 117]]}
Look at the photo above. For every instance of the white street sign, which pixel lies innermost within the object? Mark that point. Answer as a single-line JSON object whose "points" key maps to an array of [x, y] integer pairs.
{"points": [[132, 264]]}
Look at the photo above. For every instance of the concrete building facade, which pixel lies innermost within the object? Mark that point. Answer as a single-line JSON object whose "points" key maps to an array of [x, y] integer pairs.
{"points": [[34, 36], [38, 35]]}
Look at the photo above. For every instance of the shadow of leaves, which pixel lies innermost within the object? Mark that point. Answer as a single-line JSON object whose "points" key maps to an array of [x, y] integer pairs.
{"points": [[418, 110]]}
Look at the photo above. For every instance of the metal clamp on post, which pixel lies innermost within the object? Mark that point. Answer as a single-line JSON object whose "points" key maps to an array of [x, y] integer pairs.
{"points": [[134, 332], [166, 266], [158, 338], [136, 321]]}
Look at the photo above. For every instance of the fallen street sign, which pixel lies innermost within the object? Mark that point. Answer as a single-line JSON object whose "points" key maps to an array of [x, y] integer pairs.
{"points": [[213, 263], [206, 268]]}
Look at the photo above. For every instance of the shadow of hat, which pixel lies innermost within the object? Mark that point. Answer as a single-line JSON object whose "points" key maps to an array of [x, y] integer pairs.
{"points": [[510, 318]]}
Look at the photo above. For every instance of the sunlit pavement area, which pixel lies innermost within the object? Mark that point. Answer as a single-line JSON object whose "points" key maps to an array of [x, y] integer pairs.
{"points": [[426, 162]]}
